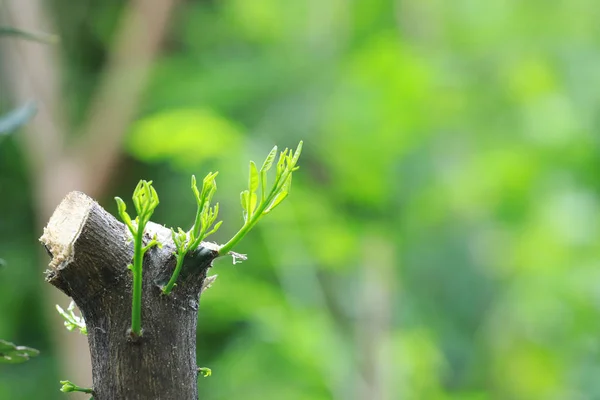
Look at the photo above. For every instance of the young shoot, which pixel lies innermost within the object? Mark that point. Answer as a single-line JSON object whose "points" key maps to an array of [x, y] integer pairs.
{"points": [[72, 321], [253, 207], [68, 387], [145, 201], [205, 218], [257, 201]]}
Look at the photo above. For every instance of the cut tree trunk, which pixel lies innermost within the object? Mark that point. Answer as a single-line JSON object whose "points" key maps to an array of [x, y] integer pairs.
{"points": [[91, 252]]}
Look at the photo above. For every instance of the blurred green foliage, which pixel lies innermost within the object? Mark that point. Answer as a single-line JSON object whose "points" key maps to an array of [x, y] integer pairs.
{"points": [[13, 354], [441, 240]]}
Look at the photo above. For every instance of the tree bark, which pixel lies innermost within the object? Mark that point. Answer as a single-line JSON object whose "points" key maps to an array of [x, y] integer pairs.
{"points": [[90, 252]]}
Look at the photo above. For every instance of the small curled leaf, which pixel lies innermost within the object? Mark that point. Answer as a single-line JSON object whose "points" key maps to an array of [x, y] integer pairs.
{"points": [[244, 198], [216, 228], [72, 321], [253, 201], [278, 199], [253, 209], [253, 182], [124, 216], [297, 154], [281, 163], [269, 160]]}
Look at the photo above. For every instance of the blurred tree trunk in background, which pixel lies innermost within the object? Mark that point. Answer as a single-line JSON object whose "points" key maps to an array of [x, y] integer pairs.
{"points": [[374, 321], [57, 164]]}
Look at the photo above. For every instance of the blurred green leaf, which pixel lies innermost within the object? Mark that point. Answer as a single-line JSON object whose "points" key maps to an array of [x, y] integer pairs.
{"points": [[16, 118], [13, 354], [35, 36], [184, 137]]}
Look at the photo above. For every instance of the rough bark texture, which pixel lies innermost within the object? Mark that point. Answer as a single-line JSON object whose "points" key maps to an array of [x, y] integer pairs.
{"points": [[90, 252]]}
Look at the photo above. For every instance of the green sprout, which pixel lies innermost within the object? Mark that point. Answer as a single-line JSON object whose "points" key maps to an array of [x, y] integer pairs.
{"points": [[68, 387], [72, 321], [253, 209], [145, 201], [206, 372], [13, 354], [255, 205], [205, 218]]}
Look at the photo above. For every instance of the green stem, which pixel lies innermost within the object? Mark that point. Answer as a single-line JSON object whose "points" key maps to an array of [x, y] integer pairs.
{"points": [[196, 228], [167, 289], [84, 390], [136, 304], [226, 248]]}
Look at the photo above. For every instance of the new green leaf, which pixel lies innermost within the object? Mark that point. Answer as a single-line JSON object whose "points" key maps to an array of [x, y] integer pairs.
{"points": [[252, 209]]}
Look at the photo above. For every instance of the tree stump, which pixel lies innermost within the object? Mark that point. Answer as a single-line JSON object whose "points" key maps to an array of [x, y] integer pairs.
{"points": [[90, 252]]}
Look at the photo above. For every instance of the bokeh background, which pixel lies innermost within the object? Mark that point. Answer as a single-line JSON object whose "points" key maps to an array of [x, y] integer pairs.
{"points": [[441, 240]]}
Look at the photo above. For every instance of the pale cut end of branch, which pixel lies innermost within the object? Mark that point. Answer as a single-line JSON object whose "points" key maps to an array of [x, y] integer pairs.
{"points": [[208, 282], [64, 227], [211, 246]]}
